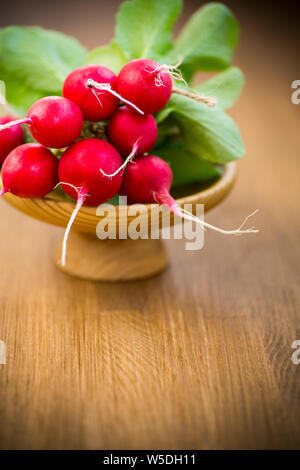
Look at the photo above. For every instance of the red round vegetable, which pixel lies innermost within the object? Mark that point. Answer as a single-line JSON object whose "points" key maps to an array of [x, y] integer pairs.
{"points": [[145, 83], [30, 170], [146, 180], [81, 165], [126, 128], [9, 138], [53, 121], [95, 105], [82, 179]]}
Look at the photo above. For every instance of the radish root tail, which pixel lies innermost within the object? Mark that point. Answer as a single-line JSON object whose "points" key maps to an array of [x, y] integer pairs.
{"points": [[188, 216], [14, 123], [170, 203], [82, 193], [97, 97], [107, 87], [176, 75], [173, 71], [128, 160]]}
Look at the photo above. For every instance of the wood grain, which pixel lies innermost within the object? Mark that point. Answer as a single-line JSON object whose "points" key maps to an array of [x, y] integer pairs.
{"points": [[112, 260], [199, 357]]}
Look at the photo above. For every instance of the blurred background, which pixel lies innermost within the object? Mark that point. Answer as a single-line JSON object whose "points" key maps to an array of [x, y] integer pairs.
{"points": [[92, 21], [210, 339]]}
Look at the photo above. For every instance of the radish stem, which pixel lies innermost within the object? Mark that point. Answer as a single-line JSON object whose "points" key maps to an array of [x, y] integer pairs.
{"points": [[211, 102]]}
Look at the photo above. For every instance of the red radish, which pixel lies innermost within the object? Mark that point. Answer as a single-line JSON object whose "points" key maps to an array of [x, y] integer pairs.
{"points": [[30, 170], [81, 177], [53, 121], [131, 134], [143, 84], [9, 138], [146, 84], [80, 166], [106, 88], [149, 85], [93, 107], [148, 180], [125, 128]]}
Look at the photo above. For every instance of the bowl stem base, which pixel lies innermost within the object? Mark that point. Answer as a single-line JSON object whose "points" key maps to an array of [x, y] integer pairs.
{"points": [[112, 260]]}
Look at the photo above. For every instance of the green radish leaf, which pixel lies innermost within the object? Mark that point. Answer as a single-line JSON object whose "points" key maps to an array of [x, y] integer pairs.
{"points": [[144, 27], [20, 96], [208, 132], [207, 41], [110, 56], [40, 58], [187, 167], [114, 200], [164, 113], [225, 87], [167, 128]]}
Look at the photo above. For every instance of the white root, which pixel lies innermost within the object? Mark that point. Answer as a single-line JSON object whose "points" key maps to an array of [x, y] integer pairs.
{"points": [[82, 194], [14, 123], [176, 74], [97, 97], [163, 197], [67, 184], [106, 87], [189, 216], [128, 160], [173, 71]]}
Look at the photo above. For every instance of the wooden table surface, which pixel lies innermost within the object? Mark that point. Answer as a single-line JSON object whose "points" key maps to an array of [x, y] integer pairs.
{"points": [[198, 357]]}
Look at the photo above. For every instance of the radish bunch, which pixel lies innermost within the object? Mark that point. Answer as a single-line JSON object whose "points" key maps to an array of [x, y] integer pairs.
{"points": [[93, 170]]}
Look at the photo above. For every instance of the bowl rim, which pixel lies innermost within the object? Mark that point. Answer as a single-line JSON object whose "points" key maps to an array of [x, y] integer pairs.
{"points": [[57, 212], [219, 185]]}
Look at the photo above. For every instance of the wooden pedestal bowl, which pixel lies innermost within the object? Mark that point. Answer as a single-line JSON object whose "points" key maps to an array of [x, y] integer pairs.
{"points": [[117, 260]]}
